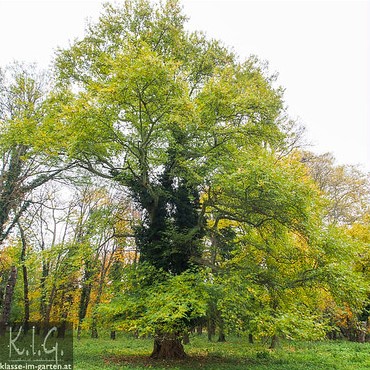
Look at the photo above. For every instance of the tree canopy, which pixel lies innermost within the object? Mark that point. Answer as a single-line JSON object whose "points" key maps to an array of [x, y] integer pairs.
{"points": [[216, 215]]}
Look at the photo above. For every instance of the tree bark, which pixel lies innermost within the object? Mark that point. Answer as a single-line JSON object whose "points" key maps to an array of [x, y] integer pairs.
{"points": [[186, 338], [221, 337], [94, 329], [8, 298], [103, 272], [26, 300], [50, 305], [361, 331], [85, 298], [221, 333], [211, 327], [2, 287], [43, 297], [274, 341], [10, 193], [168, 347], [68, 302]]}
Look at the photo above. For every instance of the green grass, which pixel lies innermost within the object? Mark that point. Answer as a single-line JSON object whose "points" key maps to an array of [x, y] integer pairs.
{"points": [[237, 354]]}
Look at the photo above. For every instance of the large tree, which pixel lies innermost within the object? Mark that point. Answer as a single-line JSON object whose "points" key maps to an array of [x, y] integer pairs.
{"points": [[161, 110]]}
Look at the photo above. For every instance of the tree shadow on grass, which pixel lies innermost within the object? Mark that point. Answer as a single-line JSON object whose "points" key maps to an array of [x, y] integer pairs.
{"points": [[207, 361]]}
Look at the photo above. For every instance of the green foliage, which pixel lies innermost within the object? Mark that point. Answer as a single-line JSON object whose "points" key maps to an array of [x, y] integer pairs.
{"points": [[23, 114], [201, 143], [256, 189], [196, 136], [153, 301], [154, 107], [284, 265]]}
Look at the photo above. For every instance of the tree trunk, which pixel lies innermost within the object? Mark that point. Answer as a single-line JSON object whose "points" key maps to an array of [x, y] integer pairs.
{"points": [[221, 337], [250, 338], [168, 347], [50, 305], [43, 297], [221, 334], [94, 324], [361, 331], [2, 288], [68, 301], [274, 341], [11, 193], [26, 299], [8, 298], [85, 298], [211, 327], [186, 338], [94, 329]]}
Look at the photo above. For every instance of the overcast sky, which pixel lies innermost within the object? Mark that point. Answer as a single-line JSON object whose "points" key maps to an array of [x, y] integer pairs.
{"points": [[321, 50]]}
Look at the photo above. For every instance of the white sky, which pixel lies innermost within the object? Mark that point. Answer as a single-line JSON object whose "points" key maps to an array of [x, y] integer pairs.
{"points": [[321, 50]]}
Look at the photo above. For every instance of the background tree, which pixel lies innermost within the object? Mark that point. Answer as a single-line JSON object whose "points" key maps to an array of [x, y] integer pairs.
{"points": [[346, 188], [284, 257], [26, 159], [67, 244]]}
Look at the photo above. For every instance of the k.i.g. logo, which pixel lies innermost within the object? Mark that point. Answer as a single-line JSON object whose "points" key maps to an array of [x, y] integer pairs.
{"points": [[36, 346]]}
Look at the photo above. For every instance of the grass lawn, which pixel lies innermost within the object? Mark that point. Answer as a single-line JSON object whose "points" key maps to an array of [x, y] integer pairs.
{"points": [[128, 353]]}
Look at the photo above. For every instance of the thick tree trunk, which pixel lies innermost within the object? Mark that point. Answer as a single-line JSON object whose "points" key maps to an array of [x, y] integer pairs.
{"points": [[361, 331], [8, 297], [168, 347]]}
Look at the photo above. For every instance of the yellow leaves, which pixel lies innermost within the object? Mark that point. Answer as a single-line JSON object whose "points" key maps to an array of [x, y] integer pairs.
{"points": [[360, 231], [221, 224], [6, 259], [125, 257]]}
